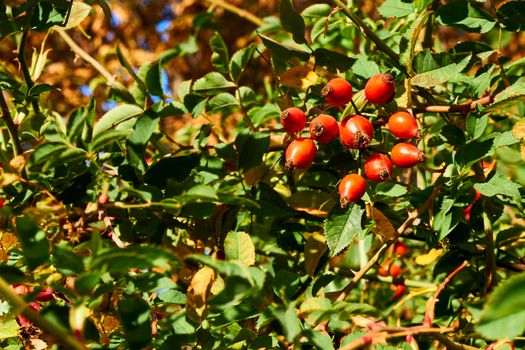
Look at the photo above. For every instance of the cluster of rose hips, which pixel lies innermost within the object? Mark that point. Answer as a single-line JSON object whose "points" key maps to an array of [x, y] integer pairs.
{"points": [[355, 132], [395, 270]]}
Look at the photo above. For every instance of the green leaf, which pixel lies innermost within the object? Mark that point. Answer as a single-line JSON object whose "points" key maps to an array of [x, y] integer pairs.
{"points": [[508, 98], [473, 152], [286, 284], [47, 152], [8, 329], [440, 75], [251, 146], [341, 228], [284, 52], [465, 15], [107, 137], [364, 67], [221, 102], [11, 274], [66, 260], [289, 322], [140, 257], [317, 10], [153, 78], [259, 115], [292, 21], [177, 168], [476, 126], [79, 11], [219, 57], [120, 93], [116, 116], [239, 61], [173, 296], [125, 63], [332, 59], [239, 246], [134, 315], [396, 8], [33, 240], [320, 340], [212, 81], [137, 142], [499, 185], [504, 314]]}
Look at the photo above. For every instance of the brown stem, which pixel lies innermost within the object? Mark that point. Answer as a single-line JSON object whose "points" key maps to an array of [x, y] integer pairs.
{"points": [[452, 345], [86, 57], [68, 340], [25, 70], [11, 127], [238, 11], [490, 269], [459, 108], [431, 304]]}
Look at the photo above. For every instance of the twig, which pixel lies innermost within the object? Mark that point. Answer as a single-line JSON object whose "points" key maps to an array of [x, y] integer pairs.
{"points": [[490, 269], [69, 341], [11, 127], [381, 45], [25, 71], [452, 345], [87, 57], [341, 295], [459, 108], [238, 11], [431, 303]]}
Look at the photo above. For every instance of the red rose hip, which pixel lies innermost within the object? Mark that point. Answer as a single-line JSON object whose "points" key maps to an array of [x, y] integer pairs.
{"points": [[300, 153], [404, 125], [338, 92], [378, 167], [398, 289], [356, 131], [324, 128], [293, 119], [400, 248], [406, 155], [380, 89], [351, 188]]}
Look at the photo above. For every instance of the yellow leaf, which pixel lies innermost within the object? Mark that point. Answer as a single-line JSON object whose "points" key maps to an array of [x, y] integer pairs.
{"points": [[301, 78], [239, 246], [314, 249], [430, 257], [18, 163], [199, 292], [383, 227], [255, 174], [518, 130]]}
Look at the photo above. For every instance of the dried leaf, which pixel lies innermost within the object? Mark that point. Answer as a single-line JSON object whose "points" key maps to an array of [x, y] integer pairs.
{"points": [[18, 163], [314, 249], [239, 246], [383, 226], [518, 130], [199, 292], [301, 78]]}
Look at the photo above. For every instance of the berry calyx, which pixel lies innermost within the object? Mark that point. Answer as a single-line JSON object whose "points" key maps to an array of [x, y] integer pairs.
{"points": [[324, 128], [338, 92], [300, 153], [356, 131], [380, 89], [351, 188], [406, 155], [293, 119], [404, 125], [400, 249], [378, 167]]}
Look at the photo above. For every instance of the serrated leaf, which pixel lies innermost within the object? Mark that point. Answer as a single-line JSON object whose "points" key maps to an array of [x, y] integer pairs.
{"points": [[332, 59], [317, 10], [239, 61], [504, 314], [396, 8], [212, 81], [116, 116], [219, 57], [292, 21], [239, 246], [499, 185], [342, 227], [441, 75]]}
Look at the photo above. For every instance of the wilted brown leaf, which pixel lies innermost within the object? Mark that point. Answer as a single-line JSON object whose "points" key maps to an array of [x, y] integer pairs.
{"points": [[383, 227], [199, 292]]}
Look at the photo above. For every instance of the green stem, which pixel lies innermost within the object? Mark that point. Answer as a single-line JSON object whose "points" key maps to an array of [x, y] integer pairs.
{"points": [[68, 340], [11, 127], [25, 70], [381, 45]]}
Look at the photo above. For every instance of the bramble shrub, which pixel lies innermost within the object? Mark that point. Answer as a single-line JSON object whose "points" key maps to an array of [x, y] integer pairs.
{"points": [[333, 175]]}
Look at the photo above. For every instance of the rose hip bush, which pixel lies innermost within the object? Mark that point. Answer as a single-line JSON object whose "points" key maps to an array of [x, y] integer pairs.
{"points": [[368, 193]]}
